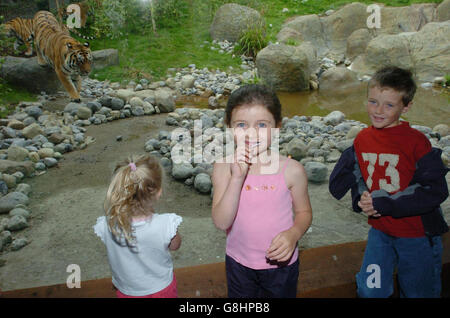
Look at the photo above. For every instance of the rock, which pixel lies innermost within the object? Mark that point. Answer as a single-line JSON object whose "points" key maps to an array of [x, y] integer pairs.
{"points": [[442, 129], [5, 237], [72, 108], [288, 34], [285, 67], [18, 243], [117, 103], [338, 78], [16, 153], [125, 94], [187, 81], [341, 24], [16, 124], [136, 102], [9, 201], [24, 188], [84, 112], [164, 100], [334, 118], [10, 180], [406, 50], [443, 11], [31, 131], [17, 223], [344, 144], [181, 171], [56, 138], [297, 149], [329, 34], [94, 106], [357, 43], [105, 58], [33, 111], [20, 212], [231, 20], [317, 172], [9, 166], [433, 59], [310, 29], [202, 182], [353, 132], [3, 188], [28, 74], [50, 162], [45, 152]]}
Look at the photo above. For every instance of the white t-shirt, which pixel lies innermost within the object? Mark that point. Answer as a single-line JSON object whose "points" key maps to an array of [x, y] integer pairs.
{"points": [[147, 267]]}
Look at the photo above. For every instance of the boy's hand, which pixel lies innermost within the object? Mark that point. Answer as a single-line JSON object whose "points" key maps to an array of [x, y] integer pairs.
{"points": [[366, 205], [282, 246]]}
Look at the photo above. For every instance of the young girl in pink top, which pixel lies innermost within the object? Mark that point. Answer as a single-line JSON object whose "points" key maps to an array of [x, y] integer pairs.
{"points": [[260, 199]]}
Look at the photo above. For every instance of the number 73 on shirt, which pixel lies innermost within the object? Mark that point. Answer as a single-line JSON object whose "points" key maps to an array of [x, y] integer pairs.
{"points": [[391, 170]]}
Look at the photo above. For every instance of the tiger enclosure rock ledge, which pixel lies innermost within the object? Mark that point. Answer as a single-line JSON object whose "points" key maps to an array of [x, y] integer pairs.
{"points": [[27, 73]]}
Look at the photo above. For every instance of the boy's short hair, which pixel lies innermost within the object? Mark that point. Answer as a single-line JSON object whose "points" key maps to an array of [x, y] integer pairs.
{"points": [[398, 79]]}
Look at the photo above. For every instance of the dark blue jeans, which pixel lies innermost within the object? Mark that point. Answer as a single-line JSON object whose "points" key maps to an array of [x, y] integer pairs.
{"points": [[418, 261], [244, 282]]}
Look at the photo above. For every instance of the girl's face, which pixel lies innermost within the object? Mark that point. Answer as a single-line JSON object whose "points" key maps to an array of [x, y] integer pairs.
{"points": [[253, 124]]}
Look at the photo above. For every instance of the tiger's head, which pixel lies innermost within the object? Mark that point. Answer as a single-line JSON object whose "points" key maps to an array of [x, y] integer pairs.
{"points": [[78, 57]]}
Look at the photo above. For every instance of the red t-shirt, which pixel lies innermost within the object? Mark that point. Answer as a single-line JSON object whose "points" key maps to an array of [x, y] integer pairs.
{"points": [[387, 158]]}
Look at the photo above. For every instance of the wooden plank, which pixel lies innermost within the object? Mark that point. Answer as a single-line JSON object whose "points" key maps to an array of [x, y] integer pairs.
{"points": [[327, 271]]}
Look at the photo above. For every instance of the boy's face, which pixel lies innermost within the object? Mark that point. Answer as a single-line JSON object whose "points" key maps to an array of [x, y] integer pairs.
{"points": [[385, 106]]}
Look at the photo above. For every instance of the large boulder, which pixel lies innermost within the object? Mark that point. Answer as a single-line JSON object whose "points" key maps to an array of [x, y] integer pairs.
{"points": [[412, 18], [308, 27], [426, 52], [164, 100], [338, 78], [231, 20], [443, 11], [430, 50], [383, 50], [105, 58], [338, 26], [285, 67], [357, 43], [28, 74]]}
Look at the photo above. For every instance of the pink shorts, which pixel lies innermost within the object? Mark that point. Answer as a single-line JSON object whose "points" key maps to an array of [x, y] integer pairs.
{"points": [[168, 292]]}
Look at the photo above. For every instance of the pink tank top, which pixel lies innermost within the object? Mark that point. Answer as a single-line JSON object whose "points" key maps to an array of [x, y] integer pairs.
{"points": [[265, 210]]}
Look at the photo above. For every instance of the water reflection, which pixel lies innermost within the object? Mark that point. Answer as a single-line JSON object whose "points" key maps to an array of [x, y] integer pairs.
{"points": [[431, 106]]}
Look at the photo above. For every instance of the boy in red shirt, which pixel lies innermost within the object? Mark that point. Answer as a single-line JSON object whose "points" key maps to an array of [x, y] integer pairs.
{"points": [[398, 180]]}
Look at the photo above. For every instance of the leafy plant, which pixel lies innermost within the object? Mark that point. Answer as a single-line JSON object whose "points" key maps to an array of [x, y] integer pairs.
{"points": [[447, 80], [252, 40]]}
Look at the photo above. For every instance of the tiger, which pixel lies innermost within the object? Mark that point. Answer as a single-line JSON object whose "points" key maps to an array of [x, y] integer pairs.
{"points": [[55, 47], [22, 30]]}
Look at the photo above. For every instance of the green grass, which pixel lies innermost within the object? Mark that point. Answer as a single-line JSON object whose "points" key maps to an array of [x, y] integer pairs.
{"points": [[10, 96], [149, 56]]}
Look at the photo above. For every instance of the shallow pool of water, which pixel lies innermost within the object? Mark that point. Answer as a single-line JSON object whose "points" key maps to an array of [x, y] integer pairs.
{"points": [[431, 106]]}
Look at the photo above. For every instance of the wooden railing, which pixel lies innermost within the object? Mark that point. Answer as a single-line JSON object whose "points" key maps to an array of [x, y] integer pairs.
{"points": [[325, 272]]}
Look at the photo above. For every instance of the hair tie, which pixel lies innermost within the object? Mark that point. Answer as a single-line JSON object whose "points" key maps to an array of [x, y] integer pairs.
{"points": [[132, 166]]}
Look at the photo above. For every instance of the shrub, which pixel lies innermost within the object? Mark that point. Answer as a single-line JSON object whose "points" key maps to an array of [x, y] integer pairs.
{"points": [[252, 41]]}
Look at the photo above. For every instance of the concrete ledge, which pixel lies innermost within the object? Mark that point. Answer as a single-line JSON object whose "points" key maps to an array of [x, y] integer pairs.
{"points": [[325, 272]]}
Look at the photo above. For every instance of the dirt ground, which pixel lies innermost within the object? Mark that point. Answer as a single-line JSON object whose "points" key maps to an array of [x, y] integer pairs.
{"points": [[66, 201]]}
